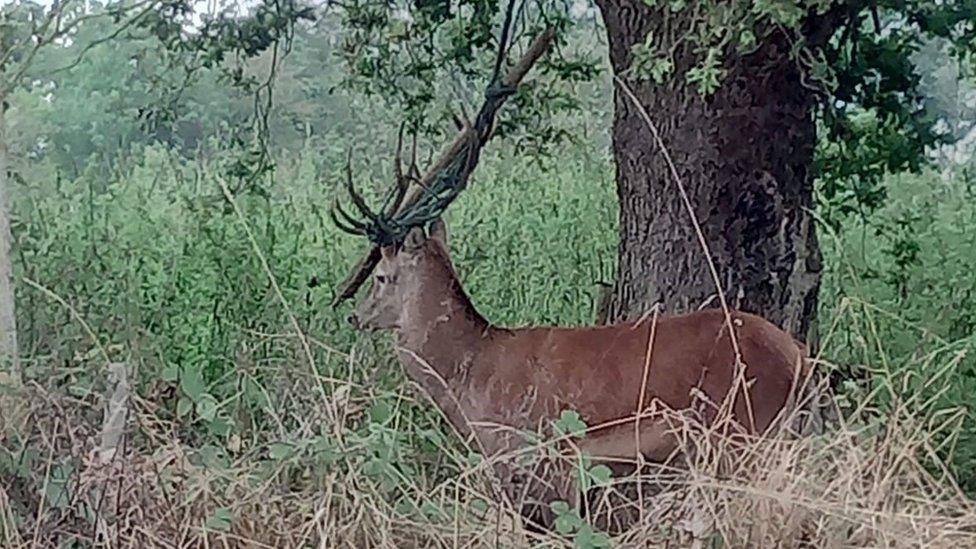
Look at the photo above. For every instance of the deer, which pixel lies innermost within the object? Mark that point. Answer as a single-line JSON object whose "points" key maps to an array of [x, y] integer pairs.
{"points": [[495, 384]]}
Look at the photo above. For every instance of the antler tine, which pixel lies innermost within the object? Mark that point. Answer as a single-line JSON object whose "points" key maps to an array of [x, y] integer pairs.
{"points": [[446, 187], [347, 224], [413, 170], [402, 182], [357, 199], [462, 121]]}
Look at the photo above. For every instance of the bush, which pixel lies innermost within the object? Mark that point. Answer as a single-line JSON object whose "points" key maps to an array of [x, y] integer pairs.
{"points": [[258, 415]]}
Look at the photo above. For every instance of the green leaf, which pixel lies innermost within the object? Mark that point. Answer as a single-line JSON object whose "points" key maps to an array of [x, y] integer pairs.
{"points": [[600, 474], [660, 68], [191, 382], [80, 391], [747, 38], [381, 412], [281, 450], [559, 507], [221, 426], [213, 457], [58, 487], [170, 373], [405, 507], [587, 538], [431, 510], [707, 75], [479, 505], [570, 423], [207, 406], [324, 450], [254, 394], [220, 520], [183, 407], [567, 523]]}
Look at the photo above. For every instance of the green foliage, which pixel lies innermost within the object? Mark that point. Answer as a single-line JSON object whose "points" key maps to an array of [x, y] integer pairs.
{"points": [[166, 276], [858, 63], [220, 520], [899, 304], [590, 475], [856, 59], [156, 265], [416, 56], [125, 221], [569, 523], [569, 424]]}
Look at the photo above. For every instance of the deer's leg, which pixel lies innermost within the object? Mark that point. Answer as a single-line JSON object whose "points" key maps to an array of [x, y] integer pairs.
{"points": [[532, 488]]}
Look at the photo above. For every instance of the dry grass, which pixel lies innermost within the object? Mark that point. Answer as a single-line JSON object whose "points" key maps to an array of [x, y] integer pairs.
{"points": [[867, 481], [851, 486]]}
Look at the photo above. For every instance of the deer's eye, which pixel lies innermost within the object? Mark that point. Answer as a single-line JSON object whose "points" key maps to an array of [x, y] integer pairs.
{"points": [[382, 279]]}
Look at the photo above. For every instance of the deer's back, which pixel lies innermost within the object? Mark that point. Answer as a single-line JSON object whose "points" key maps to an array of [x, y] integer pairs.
{"points": [[527, 376]]}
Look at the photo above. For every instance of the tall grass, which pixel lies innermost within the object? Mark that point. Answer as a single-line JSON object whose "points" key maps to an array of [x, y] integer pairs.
{"points": [[393, 478], [229, 438]]}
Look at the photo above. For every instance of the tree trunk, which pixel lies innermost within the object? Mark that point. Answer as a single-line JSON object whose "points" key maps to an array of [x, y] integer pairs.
{"points": [[744, 155], [9, 353]]}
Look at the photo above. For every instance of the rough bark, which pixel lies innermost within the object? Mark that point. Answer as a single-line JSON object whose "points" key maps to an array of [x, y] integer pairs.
{"points": [[744, 155], [9, 353]]}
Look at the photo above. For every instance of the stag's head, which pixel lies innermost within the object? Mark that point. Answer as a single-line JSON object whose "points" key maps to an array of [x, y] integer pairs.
{"points": [[401, 276], [404, 254]]}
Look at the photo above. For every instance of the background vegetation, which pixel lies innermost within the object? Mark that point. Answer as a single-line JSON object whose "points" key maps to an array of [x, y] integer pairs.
{"points": [[127, 252]]}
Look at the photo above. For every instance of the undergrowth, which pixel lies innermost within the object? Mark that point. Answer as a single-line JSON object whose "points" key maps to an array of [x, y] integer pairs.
{"points": [[254, 418]]}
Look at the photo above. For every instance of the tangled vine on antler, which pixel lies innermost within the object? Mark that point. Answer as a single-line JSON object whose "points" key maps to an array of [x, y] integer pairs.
{"points": [[386, 225], [415, 201]]}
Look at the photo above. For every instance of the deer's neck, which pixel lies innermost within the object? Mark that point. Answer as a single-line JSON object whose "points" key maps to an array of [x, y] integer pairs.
{"points": [[440, 337], [439, 343], [440, 332]]}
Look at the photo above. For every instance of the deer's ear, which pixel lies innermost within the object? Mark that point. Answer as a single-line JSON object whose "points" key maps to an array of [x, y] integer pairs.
{"points": [[387, 252], [438, 231], [415, 239]]}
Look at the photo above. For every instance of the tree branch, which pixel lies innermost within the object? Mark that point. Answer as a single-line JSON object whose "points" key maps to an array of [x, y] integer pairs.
{"points": [[512, 79]]}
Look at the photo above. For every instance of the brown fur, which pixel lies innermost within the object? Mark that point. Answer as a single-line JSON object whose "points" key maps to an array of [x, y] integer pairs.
{"points": [[492, 381]]}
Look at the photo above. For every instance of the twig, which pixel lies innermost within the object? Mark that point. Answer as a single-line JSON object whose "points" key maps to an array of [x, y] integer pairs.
{"points": [[334, 414], [701, 241], [74, 312]]}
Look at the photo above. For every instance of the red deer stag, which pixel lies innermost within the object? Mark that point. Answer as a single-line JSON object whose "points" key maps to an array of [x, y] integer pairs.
{"points": [[494, 383], [497, 383]]}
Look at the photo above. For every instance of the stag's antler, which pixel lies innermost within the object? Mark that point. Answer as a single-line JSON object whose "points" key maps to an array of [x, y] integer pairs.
{"points": [[403, 181], [385, 224], [415, 201]]}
